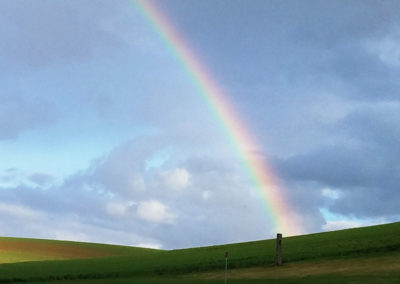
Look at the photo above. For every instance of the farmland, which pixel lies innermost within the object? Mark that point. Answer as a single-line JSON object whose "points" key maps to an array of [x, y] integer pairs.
{"points": [[361, 255]]}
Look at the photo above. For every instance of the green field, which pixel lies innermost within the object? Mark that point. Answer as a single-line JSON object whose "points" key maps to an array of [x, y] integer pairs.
{"points": [[362, 255]]}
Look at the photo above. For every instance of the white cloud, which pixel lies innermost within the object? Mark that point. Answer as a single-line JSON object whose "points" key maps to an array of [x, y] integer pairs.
{"points": [[149, 245], [206, 195], [331, 193], [70, 235], [137, 183], [341, 224], [119, 209], [177, 178], [155, 212], [387, 49], [116, 209], [17, 211], [346, 224], [41, 179]]}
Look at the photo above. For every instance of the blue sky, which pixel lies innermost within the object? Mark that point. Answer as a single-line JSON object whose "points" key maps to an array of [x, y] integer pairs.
{"points": [[104, 137]]}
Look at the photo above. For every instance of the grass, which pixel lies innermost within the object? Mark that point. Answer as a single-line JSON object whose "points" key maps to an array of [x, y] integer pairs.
{"points": [[308, 259], [329, 279], [372, 265]]}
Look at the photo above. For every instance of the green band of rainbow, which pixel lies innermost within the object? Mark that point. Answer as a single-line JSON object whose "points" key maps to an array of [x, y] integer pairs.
{"points": [[272, 195]]}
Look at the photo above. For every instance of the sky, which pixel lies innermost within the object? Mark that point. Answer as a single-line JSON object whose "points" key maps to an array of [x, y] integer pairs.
{"points": [[104, 136]]}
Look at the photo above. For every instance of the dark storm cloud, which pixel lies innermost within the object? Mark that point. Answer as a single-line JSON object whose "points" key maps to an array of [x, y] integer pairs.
{"points": [[343, 45], [264, 41], [375, 124], [364, 167], [365, 76], [334, 166], [319, 83]]}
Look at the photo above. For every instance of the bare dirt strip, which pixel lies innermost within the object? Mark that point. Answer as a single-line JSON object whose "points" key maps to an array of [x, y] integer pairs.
{"points": [[354, 266]]}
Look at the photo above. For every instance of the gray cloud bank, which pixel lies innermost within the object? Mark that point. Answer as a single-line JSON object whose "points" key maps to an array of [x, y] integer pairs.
{"points": [[194, 201], [19, 113], [364, 168], [38, 34], [318, 81]]}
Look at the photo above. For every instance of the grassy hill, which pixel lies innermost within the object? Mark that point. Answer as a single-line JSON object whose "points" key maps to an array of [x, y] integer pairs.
{"points": [[363, 254], [14, 250]]}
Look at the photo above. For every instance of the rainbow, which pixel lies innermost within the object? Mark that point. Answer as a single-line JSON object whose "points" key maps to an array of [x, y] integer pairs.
{"points": [[276, 205]]}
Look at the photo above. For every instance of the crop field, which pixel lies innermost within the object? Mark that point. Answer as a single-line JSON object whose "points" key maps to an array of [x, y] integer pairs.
{"points": [[361, 255]]}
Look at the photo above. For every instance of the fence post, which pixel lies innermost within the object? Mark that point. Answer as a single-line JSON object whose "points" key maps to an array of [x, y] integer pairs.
{"points": [[278, 255]]}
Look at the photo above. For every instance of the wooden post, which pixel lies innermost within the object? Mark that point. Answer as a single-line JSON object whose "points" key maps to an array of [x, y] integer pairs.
{"points": [[278, 256]]}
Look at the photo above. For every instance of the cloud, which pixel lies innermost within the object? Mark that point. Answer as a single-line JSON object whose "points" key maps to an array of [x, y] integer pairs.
{"points": [[358, 173], [156, 212], [94, 205], [176, 179], [346, 223], [206, 194], [65, 234], [365, 178], [374, 124], [331, 193], [20, 212], [121, 209], [116, 209], [20, 112], [329, 123], [149, 245], [121, 171], [340, 225], [53, 31], [41, 179], [54, 214], [387, 49]]}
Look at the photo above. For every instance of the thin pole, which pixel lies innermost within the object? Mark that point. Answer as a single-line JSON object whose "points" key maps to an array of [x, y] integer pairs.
{"points": [[226, 265]]}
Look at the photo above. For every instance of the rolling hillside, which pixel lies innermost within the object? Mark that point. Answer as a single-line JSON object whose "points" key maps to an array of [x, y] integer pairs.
{"points": [[13, 250], [362, 253]]}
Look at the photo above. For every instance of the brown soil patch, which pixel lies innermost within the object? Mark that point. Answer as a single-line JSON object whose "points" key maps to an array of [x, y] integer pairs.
{"points": [[40, 250]]}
